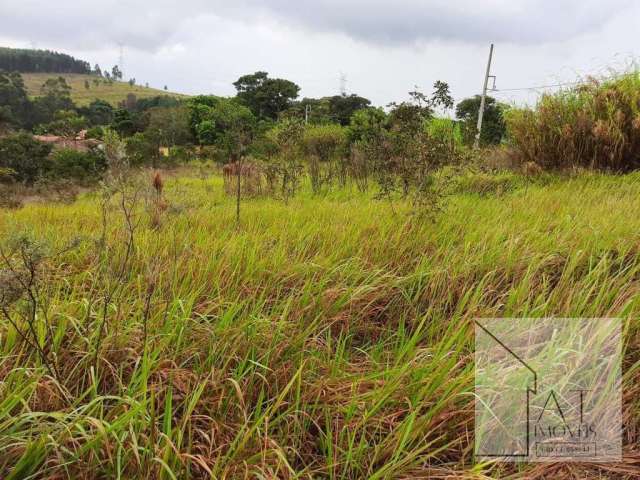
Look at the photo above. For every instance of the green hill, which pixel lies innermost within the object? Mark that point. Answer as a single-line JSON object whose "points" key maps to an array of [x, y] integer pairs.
{"points": [[113, 92]]}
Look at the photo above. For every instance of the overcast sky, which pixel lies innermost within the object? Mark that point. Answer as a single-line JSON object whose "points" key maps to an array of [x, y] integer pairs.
{"points": [[384, 48]]}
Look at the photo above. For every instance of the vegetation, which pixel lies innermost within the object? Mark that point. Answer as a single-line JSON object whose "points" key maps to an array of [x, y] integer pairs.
{"points": [[149, 330], [265, 97], [316, 341], [24, 158], [493, 126], [36, 61], [596, 125], [111, 91]]}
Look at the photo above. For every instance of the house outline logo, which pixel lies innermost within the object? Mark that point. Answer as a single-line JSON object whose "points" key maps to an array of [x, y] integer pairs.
{"points": [[529, 393]]}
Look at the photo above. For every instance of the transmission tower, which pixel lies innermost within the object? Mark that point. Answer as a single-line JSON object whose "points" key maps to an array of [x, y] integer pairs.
{"points": [[121, 58], [343, 84]]}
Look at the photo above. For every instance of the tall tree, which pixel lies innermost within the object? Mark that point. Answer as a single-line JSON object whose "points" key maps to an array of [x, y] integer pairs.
{"points": [[266, 97]]}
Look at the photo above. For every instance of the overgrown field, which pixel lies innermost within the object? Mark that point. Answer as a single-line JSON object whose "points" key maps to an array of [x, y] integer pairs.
{"points": [[326, 337], [114, 92]]}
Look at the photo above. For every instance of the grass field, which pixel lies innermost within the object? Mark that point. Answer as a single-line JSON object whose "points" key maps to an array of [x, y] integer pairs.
{"points": [[112, 93], [329, 337]]}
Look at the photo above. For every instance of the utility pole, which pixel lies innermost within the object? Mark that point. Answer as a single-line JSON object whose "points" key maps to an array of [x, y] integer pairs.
{"points": [[476, 142], [307, 108]]}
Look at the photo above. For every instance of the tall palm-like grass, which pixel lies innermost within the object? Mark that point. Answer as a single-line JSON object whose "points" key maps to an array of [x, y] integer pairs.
{"points": [[324, 338], [595, 125]]}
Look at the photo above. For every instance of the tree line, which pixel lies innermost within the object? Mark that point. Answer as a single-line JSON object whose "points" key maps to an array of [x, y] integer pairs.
{"points": [[265, 120], [40, 61]]}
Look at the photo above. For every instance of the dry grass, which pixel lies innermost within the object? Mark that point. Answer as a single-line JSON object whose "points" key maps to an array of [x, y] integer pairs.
{"points": [[113, 93], [595, 125]]}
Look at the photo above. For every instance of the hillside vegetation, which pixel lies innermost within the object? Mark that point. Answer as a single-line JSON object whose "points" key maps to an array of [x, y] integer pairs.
{"points": [[112, 92], [46, 61]]}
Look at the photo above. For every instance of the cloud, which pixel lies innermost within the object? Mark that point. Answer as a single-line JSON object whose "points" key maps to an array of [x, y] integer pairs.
{"points": [[410, 21], [151, 25]]}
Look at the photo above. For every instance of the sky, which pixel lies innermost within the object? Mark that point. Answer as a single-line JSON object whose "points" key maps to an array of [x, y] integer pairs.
{"points": [[384, 49]]}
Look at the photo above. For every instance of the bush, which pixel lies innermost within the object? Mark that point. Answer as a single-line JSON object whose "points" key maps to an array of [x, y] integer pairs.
{"points": [[324, 144], [140, 150], [596, 125], [26, 157], [66, 123], [71, 164], [95, 132]]}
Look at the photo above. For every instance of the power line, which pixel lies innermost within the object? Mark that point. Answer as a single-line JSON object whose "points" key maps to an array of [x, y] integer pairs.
{"points": [[538, 87]]}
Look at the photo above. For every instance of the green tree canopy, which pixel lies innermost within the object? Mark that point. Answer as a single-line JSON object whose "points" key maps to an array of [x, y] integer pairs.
{"points": [[265, 97], [24, 156], [98, 112], [222, 122], [493, 126], [15, 107]]}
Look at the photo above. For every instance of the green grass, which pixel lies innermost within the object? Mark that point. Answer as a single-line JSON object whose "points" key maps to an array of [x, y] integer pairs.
{"points": [[329, 337], [112, 93]]}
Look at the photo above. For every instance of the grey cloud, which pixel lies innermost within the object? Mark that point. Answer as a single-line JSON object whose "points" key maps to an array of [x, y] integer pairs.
{"points": [[410, 21], [150, 25]]}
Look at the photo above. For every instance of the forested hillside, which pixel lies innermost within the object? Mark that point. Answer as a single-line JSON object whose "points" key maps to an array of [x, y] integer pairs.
{"points": [[43, 61]]}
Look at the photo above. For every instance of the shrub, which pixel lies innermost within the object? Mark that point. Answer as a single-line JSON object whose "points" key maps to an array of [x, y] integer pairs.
{"points": [[323, 144], [140, 150], [95, 132], [596, 125], [26, 157], [73, 164]]}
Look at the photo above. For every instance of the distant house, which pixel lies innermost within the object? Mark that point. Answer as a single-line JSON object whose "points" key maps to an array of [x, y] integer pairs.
{"points": [[79, 143]]}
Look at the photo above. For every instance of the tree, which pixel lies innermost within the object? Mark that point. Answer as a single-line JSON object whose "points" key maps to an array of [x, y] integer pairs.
{"points": [[441, 96], [55, 95], [123, 122], [15, 107], [141, 149], [87, 85], [24, 156], [66, 123], [493, 125], [116, 73], [366, 124], [342, 107], [265, 97], [222, 122], [43, 61], [70, 163], [97, 70], [98, 112], [169, 126]]}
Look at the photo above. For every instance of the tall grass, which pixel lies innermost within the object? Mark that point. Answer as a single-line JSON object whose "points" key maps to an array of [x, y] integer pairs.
{"points": [[324, 338], [595, 125]]}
